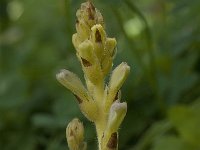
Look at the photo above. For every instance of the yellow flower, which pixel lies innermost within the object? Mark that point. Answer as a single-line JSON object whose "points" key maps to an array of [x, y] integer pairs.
{"points": [[99, 102]]}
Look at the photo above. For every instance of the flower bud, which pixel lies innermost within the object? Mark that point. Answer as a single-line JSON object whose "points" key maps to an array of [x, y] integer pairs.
{"points": [[118, 77], [83, 30], [73, 83], [117, 113], [87, 13], [110, 46], [75, 135], [98, 37], [87, 16], [108, 54], [86, 52]]}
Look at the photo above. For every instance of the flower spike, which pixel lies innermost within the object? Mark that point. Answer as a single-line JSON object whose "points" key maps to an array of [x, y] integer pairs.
{"points": [[98, 101]]}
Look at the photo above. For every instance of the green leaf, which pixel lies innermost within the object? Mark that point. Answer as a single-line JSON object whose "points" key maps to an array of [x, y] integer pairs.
{"points": [[171, 143], [187, 122]]}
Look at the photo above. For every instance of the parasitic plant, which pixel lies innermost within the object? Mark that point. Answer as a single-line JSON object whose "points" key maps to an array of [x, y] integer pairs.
{"points": [[98, 101]]}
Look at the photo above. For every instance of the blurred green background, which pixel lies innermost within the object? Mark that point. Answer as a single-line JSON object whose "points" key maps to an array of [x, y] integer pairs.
{"points": [[159, 39]]}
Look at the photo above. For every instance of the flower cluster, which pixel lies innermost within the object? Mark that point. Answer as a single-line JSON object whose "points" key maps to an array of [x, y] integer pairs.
{"points": [[98, 101]]}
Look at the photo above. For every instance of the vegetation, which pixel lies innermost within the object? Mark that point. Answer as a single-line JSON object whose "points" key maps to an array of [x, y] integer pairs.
{"points": [[158, 39]]}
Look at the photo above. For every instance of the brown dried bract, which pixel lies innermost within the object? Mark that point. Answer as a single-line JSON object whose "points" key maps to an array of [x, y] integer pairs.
{"points": [[78, 99], [112, 143], [98, 36], [116, 96], [91, 11], [85, 62], [71, 133], [91, 6]]}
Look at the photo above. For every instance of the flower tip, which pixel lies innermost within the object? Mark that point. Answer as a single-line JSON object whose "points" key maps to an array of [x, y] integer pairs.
{"points": [[61, 74], [117, 106], [125, 67]]}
